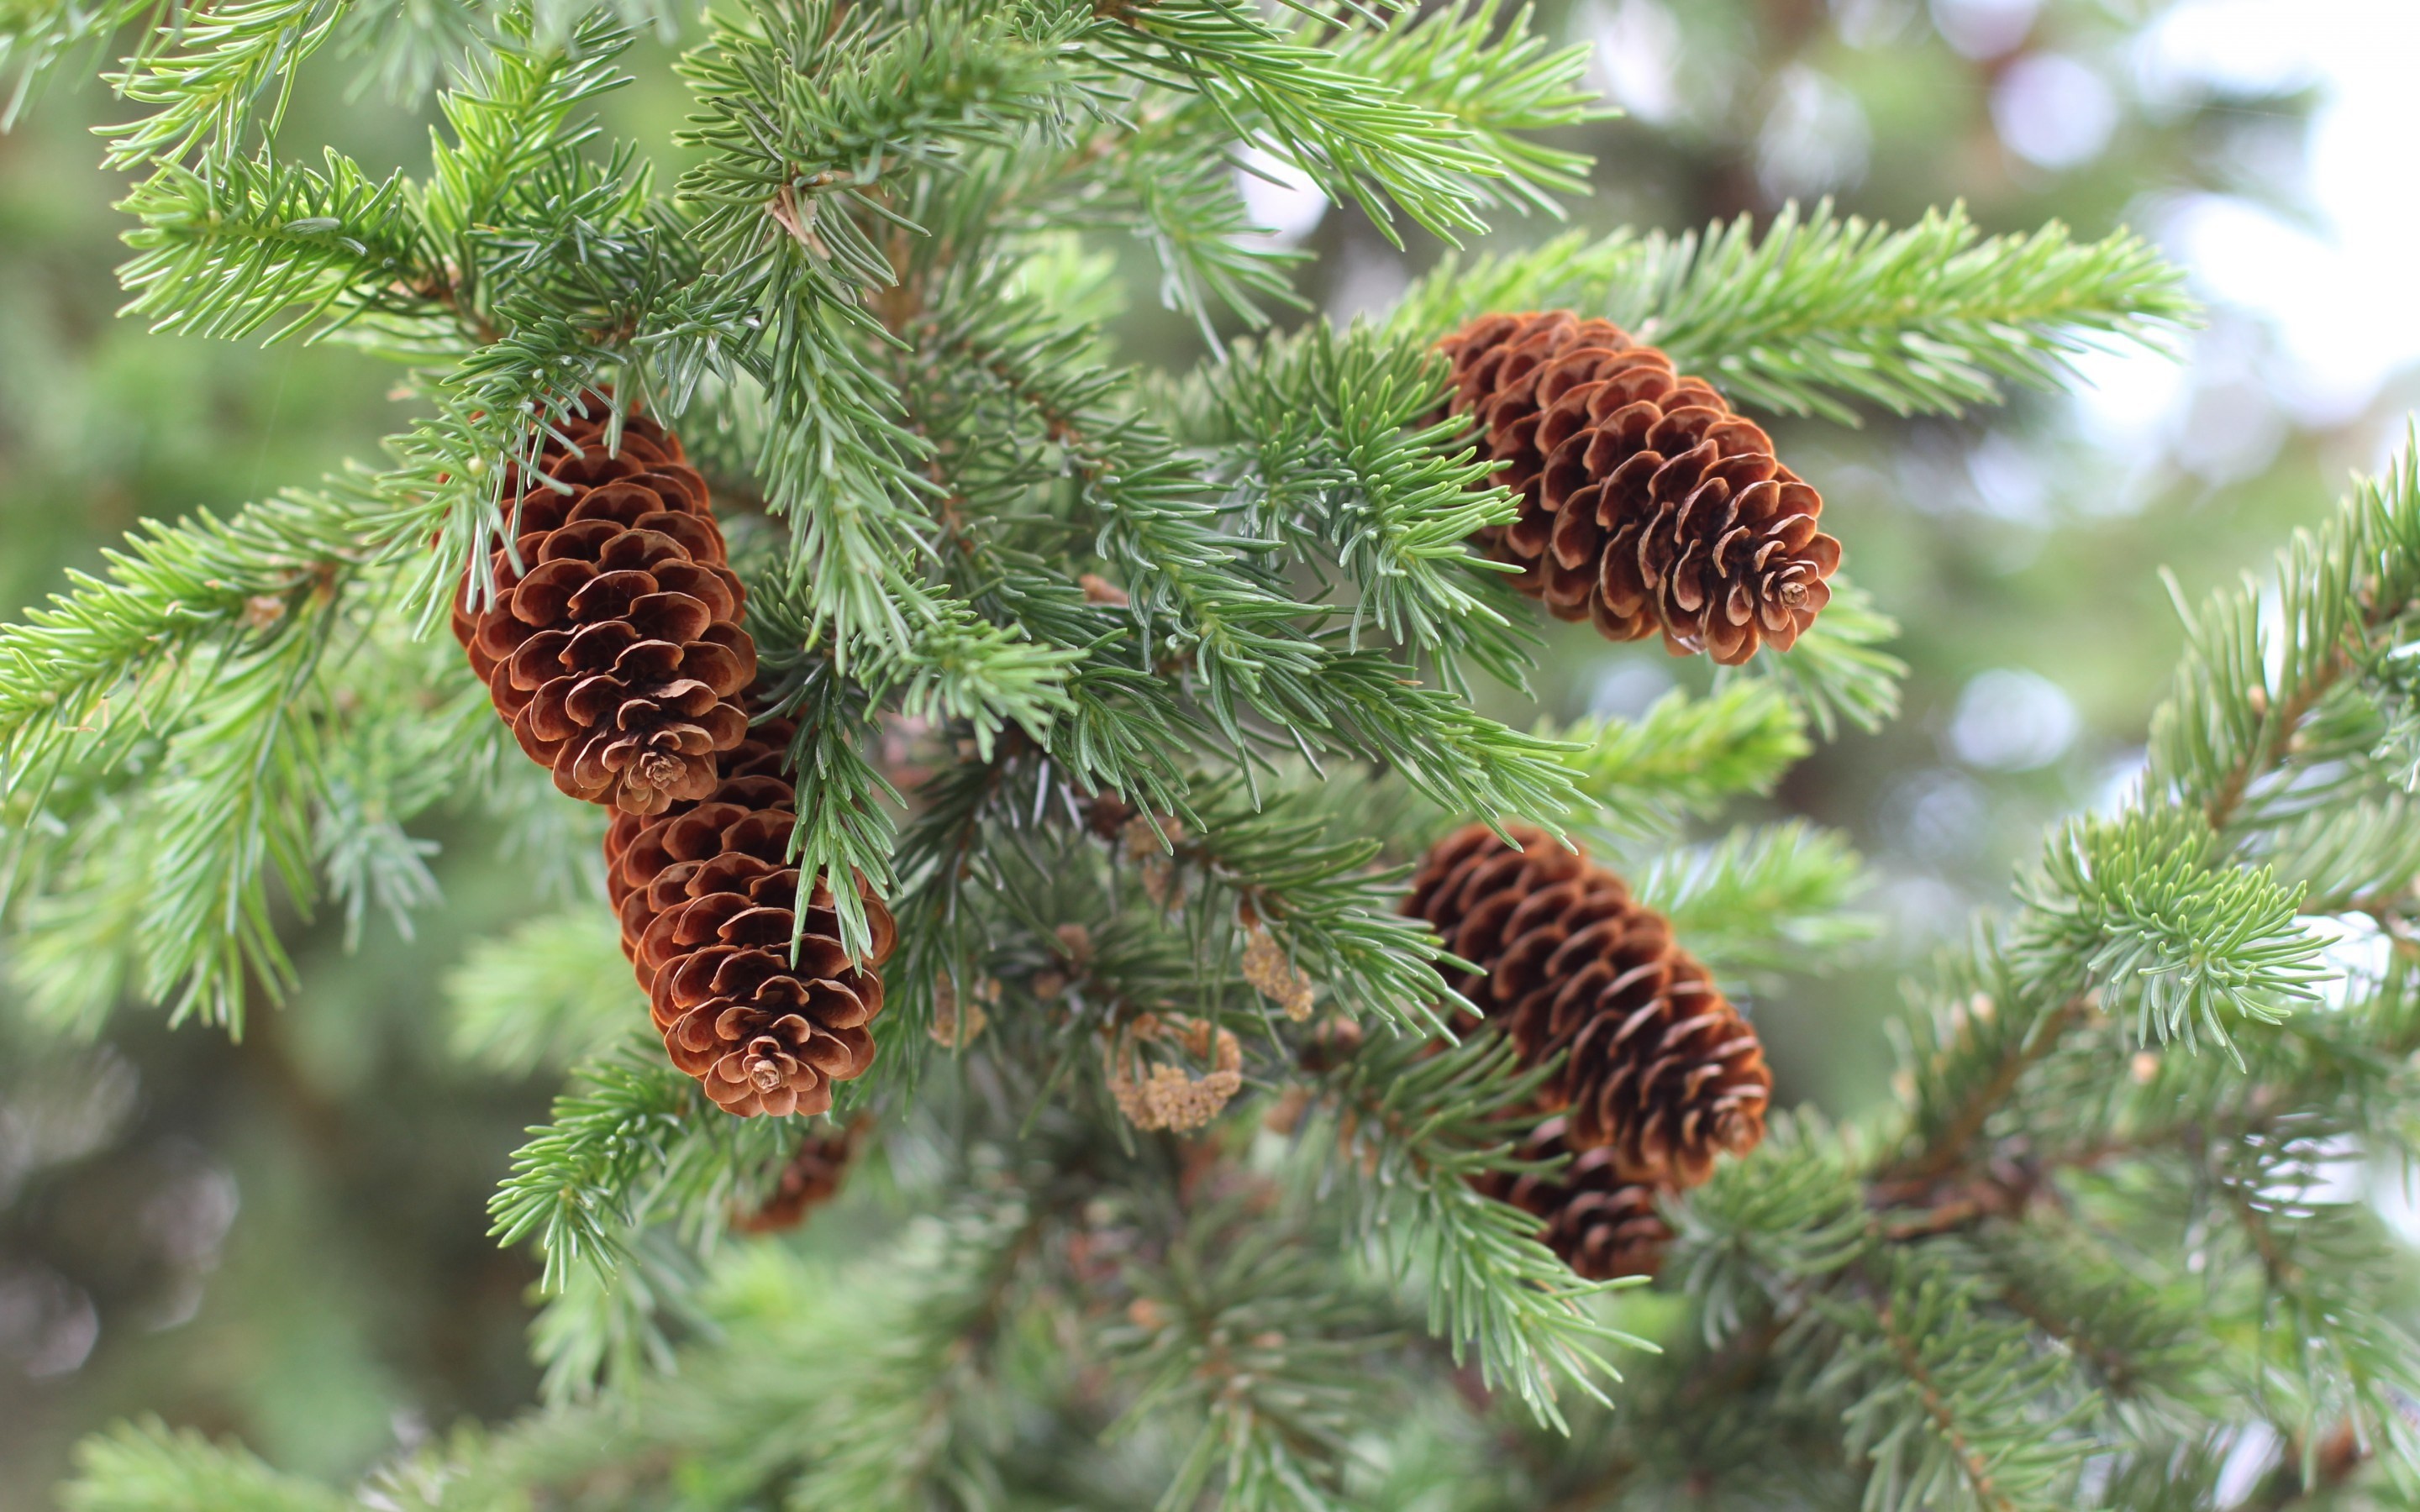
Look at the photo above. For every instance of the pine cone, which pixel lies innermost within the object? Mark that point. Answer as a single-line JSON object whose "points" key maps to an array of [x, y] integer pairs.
{"points": [[1602, 1224], [812, 1179], [1646, 505], [1658, 1065], [614, 646], [706, 900]]}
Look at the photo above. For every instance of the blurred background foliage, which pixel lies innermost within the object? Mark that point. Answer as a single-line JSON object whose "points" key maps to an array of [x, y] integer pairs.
{"points": [[285, 1240]]}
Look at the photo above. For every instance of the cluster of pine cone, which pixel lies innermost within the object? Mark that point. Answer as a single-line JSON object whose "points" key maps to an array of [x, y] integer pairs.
{"points": [[1658, 1074], [1647, 505], [612, 643]]}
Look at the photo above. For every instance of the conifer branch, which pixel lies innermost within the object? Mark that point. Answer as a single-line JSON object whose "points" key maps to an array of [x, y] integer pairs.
{"points": [[1346, 457], [227, 251], [1685, 757], [1243, 1340], [103, 662], [145, 1466], [1951, 1408], [543, 996], [1411, 1129], [1355, 133], [1766, 899], [234, 67], [1330, 910], [1820, 314]]}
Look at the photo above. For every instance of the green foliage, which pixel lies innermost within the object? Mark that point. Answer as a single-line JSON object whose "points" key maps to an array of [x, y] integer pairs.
{"points": [[547, 994], [1129, 694], [1817, 315], [2182, 942], [1419, 1127], [1769, 899], [1949, 1403], [147, 1467], [1685, 757], [226, 71], [228, 251]]}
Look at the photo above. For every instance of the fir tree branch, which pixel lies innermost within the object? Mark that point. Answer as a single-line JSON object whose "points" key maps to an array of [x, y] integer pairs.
{"points": [[1411, 1129], [634, 1145], [35, 34], [548, 992], [1500, 81], [1231, 621], [230, 59], [1330, 910], [102, 663], [226, 251], [1768, 899], [1820, 314], [917, 1416], [806, 123], [1240, 1337], [1951, 1403], [1356, 133], [1685, 757], [1346, 456], [144, 1466], [2150, 907]]}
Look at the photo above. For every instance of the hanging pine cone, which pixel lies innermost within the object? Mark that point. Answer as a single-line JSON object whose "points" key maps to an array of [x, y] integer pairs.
{"points": [[1646, 505], [614, 646], [812, 1179], [706, 900], [1658, 1065], [1600, 1224]]}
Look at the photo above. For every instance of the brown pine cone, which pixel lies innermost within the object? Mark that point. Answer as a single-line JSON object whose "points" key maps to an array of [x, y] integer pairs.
{"points": [[614, 647], [1600, 1224], [1646, 505], [1658, 1065], [706, 899], [812, 1179]]}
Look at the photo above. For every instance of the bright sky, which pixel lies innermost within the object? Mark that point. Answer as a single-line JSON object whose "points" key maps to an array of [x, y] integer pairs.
{"points": [[2338, 290]]}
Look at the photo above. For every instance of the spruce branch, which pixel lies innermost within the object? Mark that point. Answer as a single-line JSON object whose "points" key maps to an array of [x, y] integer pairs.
{"points": [[2177, 938], [2233, 736], [1345, 455], [227, 251], [1954, 1407], [231, 819], [104, 663], [634, 1145], [1500, 81], [1330, 909], [921, 1415], [35, 34], [1356, 133], [1822, 313], [511, 115], [1240, 1338], [1773, 897], [1411, 1129], [1685, 757], [550, 992], [806, 123], [844, 828], [145, 1466], [1202, 599], [233, 66]]}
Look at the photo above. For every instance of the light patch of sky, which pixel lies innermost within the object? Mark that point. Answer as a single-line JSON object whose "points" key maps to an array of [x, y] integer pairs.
{"points": [[2338, 292], [1279, 197]]}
